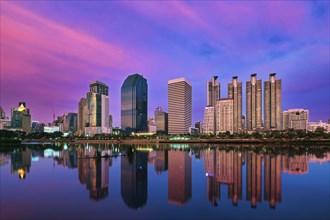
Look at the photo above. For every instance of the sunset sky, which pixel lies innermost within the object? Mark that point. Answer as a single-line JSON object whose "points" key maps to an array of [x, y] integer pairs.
{"points": [[52, 50]]}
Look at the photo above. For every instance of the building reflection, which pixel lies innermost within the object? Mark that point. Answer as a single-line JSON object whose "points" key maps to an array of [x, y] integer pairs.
{"points": [[179, 177], [21, 162], [212, 185], [93, 170], [235, 189], [272, 179], [253, 178], [161, 161], [297, 164], [134, 178], [68, 158]]}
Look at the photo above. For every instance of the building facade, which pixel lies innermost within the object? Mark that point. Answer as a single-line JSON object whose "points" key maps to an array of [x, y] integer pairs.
{"points": [[235, 93], [21, 117], [161, 118], [225, 109], [134, 104], [209, 120], [213, 94], [253, 103], [82, 116], [179, 106], [295, 119], [97, 101], [313, 125], [272, 102]]}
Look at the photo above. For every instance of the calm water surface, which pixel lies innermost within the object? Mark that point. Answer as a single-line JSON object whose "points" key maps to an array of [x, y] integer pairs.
{"points": [[166, 182]]}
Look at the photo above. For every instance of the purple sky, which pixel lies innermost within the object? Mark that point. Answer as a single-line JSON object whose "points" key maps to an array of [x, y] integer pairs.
{"points": [[51, 50]]}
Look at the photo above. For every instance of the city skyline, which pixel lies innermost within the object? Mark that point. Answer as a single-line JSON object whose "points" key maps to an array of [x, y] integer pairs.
{"points": [[52, 59]]}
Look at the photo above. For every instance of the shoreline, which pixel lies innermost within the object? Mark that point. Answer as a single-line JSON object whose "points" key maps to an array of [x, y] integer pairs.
{"points": [[209, 141]]}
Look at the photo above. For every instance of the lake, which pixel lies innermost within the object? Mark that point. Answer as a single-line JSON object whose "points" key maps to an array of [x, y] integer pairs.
{"points": [[174, 181]]}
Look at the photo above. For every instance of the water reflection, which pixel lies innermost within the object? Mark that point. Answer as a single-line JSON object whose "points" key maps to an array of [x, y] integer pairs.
{"points": [[21, 162], [179, 177], [263, 171], [93, 170], [134, 178]]}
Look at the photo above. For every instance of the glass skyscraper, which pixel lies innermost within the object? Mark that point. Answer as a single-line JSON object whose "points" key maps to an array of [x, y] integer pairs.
{"points": [[134, 104]]}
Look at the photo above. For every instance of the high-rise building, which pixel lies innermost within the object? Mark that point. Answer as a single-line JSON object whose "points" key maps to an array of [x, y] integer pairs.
{"points": [[295, 119], [97, 101], [179, 177], [2, 113], [272, 102], [82, 116], [213, 95], [70, 122], [225, 115], [253, 103], [235, 93], [209, 119], [134, 104], [161, 118], [179, 106], [213, 91], [21, 118]]}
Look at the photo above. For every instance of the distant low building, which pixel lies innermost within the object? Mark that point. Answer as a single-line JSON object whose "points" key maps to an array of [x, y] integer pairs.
{"points": [[193, 130], [5, 123], [313, 125], [51, 129], [295, 119], [37, 127]]}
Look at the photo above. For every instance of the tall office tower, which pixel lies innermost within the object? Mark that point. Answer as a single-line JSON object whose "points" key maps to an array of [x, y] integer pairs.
{"points": [[21, 117], [97, 101], [272, 102], [179, 106], [235, 93], [134, 179], [213, 95], [253, 178], [179, 177], [2, 113], [295, 119], [272, 179], [82, 116], [253, 103], [225, 115], [213, 91], [161, 118], [134, 104], [70, 122]]}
